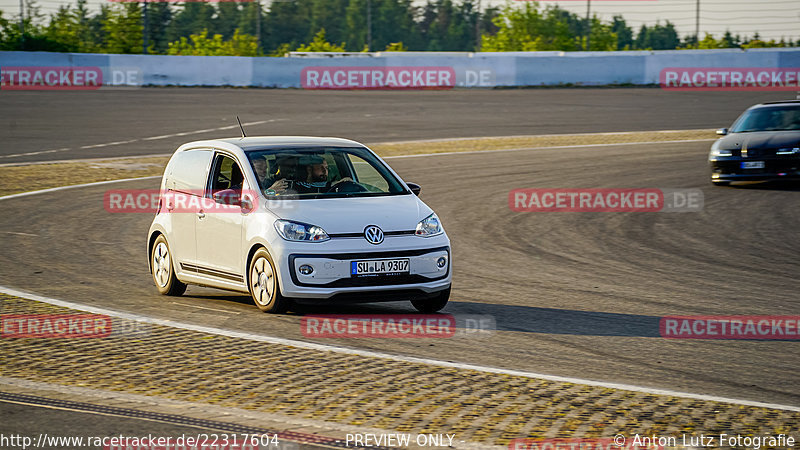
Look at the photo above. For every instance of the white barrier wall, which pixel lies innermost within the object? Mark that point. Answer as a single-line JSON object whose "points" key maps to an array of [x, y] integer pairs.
{"points": [[402, 70]]}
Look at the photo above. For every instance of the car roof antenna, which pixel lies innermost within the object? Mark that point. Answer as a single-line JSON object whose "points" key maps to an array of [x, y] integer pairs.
{"points": [[241, 127]]}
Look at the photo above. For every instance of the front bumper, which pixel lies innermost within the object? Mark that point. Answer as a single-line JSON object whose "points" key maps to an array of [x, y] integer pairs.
{"points": [[730, 169], [331, 278]]}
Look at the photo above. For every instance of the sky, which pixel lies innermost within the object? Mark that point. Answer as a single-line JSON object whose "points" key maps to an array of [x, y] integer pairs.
{"points": [[772, 19]]}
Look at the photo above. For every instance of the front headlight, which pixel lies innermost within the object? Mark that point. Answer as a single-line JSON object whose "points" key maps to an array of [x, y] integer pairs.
{"points": [[715, 151], [298, 231], [429, 226]]}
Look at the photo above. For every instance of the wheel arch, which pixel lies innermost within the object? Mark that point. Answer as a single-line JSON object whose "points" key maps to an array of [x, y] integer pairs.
{"points": [[150, 241], [250, 253]]}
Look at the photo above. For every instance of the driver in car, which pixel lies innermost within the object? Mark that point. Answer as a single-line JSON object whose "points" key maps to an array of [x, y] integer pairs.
{"points": [[317, 177]]}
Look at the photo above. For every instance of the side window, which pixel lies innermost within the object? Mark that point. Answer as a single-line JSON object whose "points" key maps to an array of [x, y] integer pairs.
{"points": [[793, 120], [188, 171], [333, 169], [368, 175], [226, 175]]}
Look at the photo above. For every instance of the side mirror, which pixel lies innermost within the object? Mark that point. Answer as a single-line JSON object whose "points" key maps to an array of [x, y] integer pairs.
{"points": [[228, 197], [415, 188], [722, 131], [246, 204]]}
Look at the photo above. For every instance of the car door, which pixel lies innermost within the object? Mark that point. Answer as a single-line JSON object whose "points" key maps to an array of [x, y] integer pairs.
{"points": [[219, 224]]}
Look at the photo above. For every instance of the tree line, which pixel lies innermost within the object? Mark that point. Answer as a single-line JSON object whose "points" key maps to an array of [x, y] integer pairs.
{"points": [[241, 28]]}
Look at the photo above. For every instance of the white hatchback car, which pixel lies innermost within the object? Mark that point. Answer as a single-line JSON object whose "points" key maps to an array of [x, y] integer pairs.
{"points": [[304, 219]]}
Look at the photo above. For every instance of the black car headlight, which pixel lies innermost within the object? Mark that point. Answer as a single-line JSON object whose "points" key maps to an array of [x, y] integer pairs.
{"points": [[717, 152]]}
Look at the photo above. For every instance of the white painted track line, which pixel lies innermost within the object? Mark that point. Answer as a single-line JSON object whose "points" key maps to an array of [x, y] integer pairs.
{"points": [[74, 186], [375, 354], [151, 138]]}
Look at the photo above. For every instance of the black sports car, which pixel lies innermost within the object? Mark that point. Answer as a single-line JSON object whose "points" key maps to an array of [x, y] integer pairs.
{"points": [[763, 144]]}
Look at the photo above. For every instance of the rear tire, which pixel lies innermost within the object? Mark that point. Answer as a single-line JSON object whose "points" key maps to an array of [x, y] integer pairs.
{"points": [[432, 305], [163, 269], [263, 284]]}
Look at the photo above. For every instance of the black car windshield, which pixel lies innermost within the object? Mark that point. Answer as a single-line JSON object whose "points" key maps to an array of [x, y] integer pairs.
{"points": [[773, 118], [322, 172]]}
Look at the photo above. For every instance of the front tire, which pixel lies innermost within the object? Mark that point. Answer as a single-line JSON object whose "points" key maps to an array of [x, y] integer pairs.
{"points": [[720, 183], [263, 283], [163, 269], [432, 305]]}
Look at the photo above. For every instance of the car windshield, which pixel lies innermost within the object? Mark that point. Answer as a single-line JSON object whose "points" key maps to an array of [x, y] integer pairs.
{"points": [[322, 172], [775, 118]]}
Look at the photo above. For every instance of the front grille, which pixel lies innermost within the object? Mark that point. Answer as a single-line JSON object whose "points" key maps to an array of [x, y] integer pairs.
{"points": [[771, 166], [759, 152], [377, 280], [361, 234], [370, 297]]}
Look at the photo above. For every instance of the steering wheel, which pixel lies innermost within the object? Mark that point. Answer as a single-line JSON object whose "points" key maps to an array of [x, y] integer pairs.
{"points": [[347, 187]]}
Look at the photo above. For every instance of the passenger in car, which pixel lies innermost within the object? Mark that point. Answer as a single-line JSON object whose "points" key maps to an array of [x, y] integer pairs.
{"points": [[285, 174], [261, 168]]}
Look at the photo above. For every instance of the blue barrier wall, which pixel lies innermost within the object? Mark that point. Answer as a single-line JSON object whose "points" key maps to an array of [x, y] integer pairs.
{"points": [[482, 70]]}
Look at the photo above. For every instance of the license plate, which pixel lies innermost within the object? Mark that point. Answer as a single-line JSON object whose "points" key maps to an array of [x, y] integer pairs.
{"points": [[378, 267], [752, 164]]}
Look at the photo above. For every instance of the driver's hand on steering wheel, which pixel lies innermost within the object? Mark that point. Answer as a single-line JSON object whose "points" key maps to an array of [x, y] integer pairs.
{"points": [[342, 181]]}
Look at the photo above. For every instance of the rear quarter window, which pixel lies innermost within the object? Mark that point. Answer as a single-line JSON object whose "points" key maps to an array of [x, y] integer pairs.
{"points": [[188, 170]]}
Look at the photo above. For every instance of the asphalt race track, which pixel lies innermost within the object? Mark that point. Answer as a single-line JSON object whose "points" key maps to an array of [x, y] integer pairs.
{"points": [[88, 124], [573, 294]]}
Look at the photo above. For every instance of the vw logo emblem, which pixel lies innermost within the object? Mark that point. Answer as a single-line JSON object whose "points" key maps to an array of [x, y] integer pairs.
{"points": [[373, 234]]}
